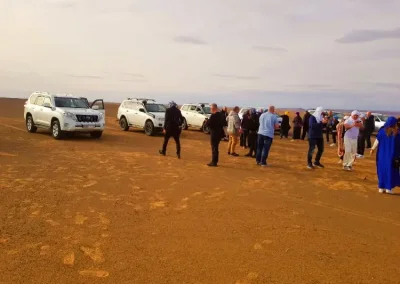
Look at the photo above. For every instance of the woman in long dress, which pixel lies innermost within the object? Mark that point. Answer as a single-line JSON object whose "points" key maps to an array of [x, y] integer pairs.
{"points": [[297, 125], [388, 152]]}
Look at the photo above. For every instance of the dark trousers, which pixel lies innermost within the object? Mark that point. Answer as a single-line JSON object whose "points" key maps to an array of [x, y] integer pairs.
{"points": [[243, 138], [253, 143], [264, 144], [368, 138], [361, 144], [215, 140], [284, 132], [175, 135], [305, 131], [327, 132], [334, 136], [312, 143]]}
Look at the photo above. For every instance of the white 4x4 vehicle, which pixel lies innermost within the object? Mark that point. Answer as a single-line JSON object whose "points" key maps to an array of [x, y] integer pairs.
{"points": [[63, 113], [141, 113], [196, 116]]}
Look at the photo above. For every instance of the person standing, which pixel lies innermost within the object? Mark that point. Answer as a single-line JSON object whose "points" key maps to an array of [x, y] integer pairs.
{"points": [[285, 125], [361, 140], [316, 138], [334, 123], [306, 119], [268, 124], [340, 138], [297, 125], [224, 113], [328, 127], [233, 130], [245, 130], [172, 128], [388, 156], [352, 126], [369, 128], [216, 123], [253, 129]]}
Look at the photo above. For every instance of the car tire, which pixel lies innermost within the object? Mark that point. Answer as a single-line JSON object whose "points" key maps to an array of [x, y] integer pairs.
{"points": [[123, 123], [149, 128], [96, 134], [30, 125], [56, 131], [184, 124], [205, 128]]}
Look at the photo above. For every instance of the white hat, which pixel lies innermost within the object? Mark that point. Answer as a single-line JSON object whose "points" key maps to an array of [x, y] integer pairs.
{"points": [[355, 112]]}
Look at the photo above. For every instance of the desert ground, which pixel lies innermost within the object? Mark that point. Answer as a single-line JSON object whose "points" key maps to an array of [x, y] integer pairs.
{"points": [[112, 210]]}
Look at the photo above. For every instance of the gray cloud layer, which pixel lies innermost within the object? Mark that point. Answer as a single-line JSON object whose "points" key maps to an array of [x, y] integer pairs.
{"points": [[236, 77], [189, 40], [358, 36]]}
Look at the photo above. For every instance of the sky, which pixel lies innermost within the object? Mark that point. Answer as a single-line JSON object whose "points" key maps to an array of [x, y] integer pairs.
{"points": [[290, 53]]}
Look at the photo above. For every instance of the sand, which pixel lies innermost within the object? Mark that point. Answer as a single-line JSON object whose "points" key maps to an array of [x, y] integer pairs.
{"points": [[113, 211]]}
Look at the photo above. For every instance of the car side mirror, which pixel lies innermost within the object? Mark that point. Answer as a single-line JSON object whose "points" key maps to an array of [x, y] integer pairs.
{"points": [[142, 110], [96, 107], [47, 105]]}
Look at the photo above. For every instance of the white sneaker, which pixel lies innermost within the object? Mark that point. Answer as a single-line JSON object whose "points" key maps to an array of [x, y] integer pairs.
{"points": [[389, 191], [360, 156], [333, 145], [381, 190]]}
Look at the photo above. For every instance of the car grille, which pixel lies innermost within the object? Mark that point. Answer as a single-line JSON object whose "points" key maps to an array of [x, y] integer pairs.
{"points": [[87, 118]]}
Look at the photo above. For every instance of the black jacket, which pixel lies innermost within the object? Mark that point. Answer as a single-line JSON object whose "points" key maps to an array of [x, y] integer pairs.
{"points": [[216, 122], [306, 119], [370, 124], [173, 119], [253, 123]]}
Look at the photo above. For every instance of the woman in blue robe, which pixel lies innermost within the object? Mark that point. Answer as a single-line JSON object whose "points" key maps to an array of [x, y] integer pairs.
{"points": [[388, 150]]}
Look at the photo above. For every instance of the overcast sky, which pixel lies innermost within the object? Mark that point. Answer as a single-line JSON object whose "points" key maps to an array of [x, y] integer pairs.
{"points": [[291, 53]]}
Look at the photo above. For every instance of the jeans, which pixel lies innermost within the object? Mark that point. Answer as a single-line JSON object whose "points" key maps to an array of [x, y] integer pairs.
{"points": [[233, 140], [312, 143], [264, 144], [215, 140], [175, 135], [350, 148]]}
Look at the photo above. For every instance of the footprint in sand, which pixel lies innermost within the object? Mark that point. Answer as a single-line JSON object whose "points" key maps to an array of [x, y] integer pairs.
{"points": [[94, 253], [94, 273], [69, 259]]}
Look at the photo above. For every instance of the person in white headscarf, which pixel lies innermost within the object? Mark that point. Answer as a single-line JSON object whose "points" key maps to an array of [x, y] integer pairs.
{"points": [[352, 126], [315, 138]]}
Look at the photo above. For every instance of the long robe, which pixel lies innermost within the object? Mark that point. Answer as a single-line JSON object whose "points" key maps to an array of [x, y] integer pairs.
{"points": [[388, 150]]}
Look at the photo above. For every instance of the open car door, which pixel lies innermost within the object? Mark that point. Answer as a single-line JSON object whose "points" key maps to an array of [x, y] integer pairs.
{"points": [[98, 105]]}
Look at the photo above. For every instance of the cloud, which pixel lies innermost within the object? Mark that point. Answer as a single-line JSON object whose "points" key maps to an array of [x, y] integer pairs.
{"points": [[271, 49], [189, 40], [135, 75], [311, 86], [84, 76], [236, 77], [388, 85], [63, 3], [133, 80], [358, 36]]}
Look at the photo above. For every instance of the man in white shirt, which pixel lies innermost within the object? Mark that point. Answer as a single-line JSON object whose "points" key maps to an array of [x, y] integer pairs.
{"points": [[352, 126]]}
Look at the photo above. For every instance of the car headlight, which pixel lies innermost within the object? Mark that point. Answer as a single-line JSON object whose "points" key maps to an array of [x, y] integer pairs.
{"points": [[101, 115], [70, 115]]}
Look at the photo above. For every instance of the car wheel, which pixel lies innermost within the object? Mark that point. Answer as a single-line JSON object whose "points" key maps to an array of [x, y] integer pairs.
{"points": [[149, 128], [185, 125], [206, 128], [96, 134], [123, 123], [30, 125], [56, 131]]}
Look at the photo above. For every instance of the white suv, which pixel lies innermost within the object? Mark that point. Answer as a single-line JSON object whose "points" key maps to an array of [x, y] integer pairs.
{"points": [[63, 113], [196, 115], [141, 113]]}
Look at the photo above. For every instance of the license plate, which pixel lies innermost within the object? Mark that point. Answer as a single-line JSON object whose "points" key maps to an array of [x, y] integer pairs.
{"points": [[88, 126]]}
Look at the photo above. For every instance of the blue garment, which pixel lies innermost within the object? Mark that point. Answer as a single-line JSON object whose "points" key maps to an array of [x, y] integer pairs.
{"points": [[388, 150], [315, 129], [267, 124], [264, 144]]}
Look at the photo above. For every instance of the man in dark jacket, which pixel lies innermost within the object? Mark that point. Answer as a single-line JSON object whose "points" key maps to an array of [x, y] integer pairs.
{"points": [[216, 123], [316, 138], [253, 124], [306, 119], [224, 114], [369, 128], [172, 128]]}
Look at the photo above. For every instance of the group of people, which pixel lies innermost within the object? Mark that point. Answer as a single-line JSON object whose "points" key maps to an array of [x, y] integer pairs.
{"points": [[257, 129]]}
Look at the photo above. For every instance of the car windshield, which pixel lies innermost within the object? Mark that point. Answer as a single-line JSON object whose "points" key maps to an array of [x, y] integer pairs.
{"points": [[207, 110], [383, 117], [71, 102], [155, 108]]}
